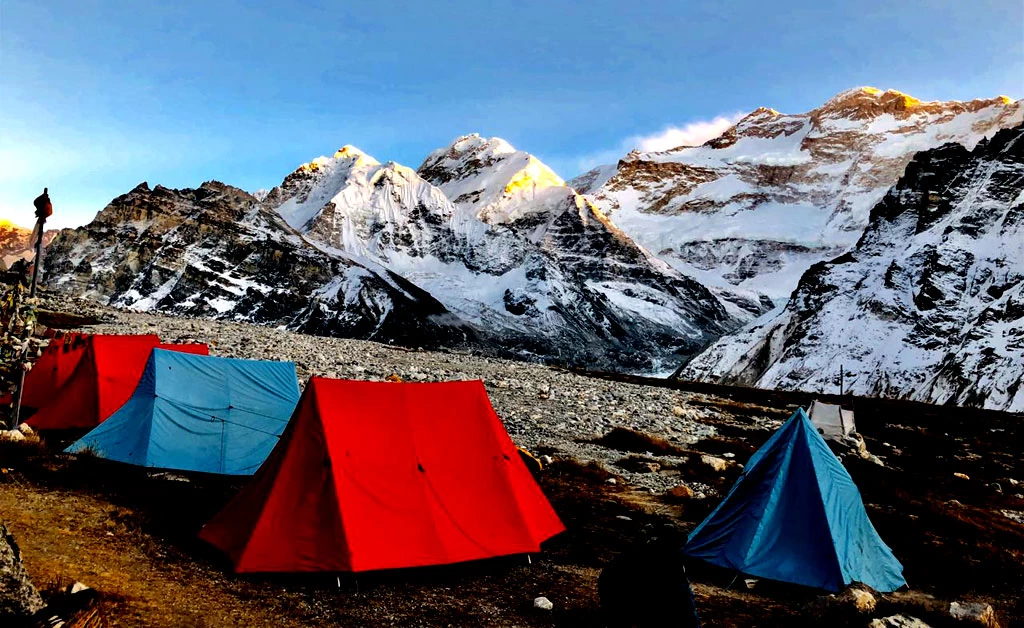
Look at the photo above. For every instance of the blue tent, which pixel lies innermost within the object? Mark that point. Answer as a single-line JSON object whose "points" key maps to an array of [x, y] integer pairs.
{"points": [[795, 515], [199, 413]]}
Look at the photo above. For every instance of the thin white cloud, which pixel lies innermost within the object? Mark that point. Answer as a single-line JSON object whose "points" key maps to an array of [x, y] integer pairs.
{"points": [[692, 133]]}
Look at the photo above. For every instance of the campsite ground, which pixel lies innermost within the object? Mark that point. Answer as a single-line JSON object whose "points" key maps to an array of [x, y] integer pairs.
{"points": [[132, 535]]}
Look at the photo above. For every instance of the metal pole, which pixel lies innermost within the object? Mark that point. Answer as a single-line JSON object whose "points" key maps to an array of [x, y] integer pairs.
{"points": [[840, 380]]}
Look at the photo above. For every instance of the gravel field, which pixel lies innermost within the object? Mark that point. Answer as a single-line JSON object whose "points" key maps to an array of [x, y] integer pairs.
{"points": [[541, 407]]}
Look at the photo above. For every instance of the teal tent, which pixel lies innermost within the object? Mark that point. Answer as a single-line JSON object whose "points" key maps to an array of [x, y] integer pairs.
{"points": [[199, 413], [795, 515]]}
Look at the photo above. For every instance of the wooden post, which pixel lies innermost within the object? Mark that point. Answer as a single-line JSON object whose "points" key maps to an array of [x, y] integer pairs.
{"points": [[16, 410], [840, 380], [43, 211], [39, 256]]}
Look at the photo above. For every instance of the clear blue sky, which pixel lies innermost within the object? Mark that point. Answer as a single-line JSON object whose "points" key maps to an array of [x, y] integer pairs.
{"points": [[98, 96]]}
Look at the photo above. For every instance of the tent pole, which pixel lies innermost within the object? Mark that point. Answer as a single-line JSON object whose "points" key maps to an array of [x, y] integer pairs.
{"points": [[733, 580]]}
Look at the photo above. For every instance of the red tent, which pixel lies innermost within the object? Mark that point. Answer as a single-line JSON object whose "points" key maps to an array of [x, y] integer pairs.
{"points": [[53, 368], [105, 377], [379, 475]]}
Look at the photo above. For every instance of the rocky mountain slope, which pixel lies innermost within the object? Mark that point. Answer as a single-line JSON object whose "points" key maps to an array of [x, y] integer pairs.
{"points": [[756, 207], [517, 253], [929, 305], [214, 252]]}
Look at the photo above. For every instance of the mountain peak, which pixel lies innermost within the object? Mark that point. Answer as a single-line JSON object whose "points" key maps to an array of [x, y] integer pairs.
{"points": [[474, 142], [488, 176], [864, 102], [347, 153]]}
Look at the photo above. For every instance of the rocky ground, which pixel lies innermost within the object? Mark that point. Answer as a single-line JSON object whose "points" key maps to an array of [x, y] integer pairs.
{"points": [[631, 460]]}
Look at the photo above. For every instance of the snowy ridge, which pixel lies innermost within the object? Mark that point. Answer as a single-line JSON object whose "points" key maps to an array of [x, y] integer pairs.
{"points": [[756, 207], [929, 305]]}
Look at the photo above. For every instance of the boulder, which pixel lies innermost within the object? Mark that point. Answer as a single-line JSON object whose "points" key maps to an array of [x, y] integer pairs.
{"points": [[974, 613], [18, 597], [898, 621], [543, 603]]}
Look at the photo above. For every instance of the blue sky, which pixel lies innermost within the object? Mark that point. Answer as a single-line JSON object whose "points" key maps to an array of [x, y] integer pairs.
{"points": [[98, 96]]}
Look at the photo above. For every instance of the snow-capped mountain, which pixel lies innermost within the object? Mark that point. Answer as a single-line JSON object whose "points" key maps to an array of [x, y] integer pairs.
{"points": [[518, 254], [637, 266], [215, 252], [756, 207], [929, 305]]}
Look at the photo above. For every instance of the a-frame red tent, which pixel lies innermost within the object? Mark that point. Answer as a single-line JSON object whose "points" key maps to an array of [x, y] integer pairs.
{"points": [[104, 378], [379, 475], [53, 368]]}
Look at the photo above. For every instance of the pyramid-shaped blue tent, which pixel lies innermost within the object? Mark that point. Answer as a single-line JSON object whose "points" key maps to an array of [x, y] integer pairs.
{"points": [[199, 413], [795, 515]]}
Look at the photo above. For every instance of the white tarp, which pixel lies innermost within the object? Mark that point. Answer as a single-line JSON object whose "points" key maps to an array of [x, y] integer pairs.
{"points": [[832, 421]]}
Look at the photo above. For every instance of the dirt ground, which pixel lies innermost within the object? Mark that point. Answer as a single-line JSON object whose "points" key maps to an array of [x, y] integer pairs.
{"points": [[131, 536]]}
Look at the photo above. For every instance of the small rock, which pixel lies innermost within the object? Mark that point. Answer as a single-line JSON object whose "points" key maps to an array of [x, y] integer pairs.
{"points": [[977, 613], [750, 582], [1012, 482], [26, 429], [678, 411], [728, 456], [77, 588], [717, 464], [11, 436], [681, 492], [876, 460], [962, 476], [546, 460], [996, 488], [953, 503], [1014, 515], [611, 481], [543, 603], [624, 517], [898, 621], [863, 601]]}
